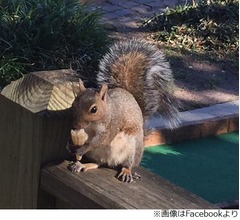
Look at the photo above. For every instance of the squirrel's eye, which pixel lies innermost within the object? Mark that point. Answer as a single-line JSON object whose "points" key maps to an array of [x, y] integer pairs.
{"points": [[94, 109]]}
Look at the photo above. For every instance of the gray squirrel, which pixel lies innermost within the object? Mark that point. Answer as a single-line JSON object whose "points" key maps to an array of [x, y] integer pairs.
{"points": [[135, 83]]}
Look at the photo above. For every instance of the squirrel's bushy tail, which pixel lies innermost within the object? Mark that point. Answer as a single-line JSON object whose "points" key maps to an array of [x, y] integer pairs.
{"points": [[140, 68]]}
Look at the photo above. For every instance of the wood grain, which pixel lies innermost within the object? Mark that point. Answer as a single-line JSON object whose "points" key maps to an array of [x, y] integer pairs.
{"points": [[100, 188], [45, 91], [34, 127]]}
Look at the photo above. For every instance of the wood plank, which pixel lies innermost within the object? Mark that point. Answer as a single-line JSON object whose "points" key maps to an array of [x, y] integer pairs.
{"points": [[99, 188], [18, 182], [34, 128]]}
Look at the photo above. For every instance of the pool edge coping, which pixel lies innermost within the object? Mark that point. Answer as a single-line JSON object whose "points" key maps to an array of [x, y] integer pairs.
{"points": [[203, 122]]}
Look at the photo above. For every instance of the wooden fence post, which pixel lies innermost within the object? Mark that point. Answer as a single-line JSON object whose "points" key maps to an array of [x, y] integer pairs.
{"points": [[34, 127]]}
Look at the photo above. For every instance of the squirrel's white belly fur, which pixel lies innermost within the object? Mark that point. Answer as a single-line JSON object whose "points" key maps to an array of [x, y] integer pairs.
{"points": [[116, 152]]}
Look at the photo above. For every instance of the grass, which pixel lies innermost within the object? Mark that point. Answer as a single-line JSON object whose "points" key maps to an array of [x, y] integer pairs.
{"points": [[49, 34], [209, 29]]}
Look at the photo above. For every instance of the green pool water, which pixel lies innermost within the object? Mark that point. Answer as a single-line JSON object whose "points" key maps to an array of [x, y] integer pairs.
{"points": [[208, 167]]}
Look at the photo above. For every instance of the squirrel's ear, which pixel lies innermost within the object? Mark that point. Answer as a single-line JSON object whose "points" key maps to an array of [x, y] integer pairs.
{"points": [[103, 92], [81, 86]]}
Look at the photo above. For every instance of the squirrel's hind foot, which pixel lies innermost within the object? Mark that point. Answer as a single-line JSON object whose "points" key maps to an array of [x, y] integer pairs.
{"points": [[78, 166], [127, 176]]}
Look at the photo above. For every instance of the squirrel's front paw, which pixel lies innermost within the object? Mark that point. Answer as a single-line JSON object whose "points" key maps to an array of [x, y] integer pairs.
{"points": [[76, 167], [125, 175]]}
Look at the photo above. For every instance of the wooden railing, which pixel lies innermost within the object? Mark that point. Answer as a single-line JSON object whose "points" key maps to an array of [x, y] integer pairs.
{"points": [[101, 189]]}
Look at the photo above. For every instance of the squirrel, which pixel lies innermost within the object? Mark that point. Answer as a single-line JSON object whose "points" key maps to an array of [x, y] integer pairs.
{"points": [[135, 83]]}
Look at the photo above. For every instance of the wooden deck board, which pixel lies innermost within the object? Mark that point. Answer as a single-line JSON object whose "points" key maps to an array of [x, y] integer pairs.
{"points": [[100, 189]]}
